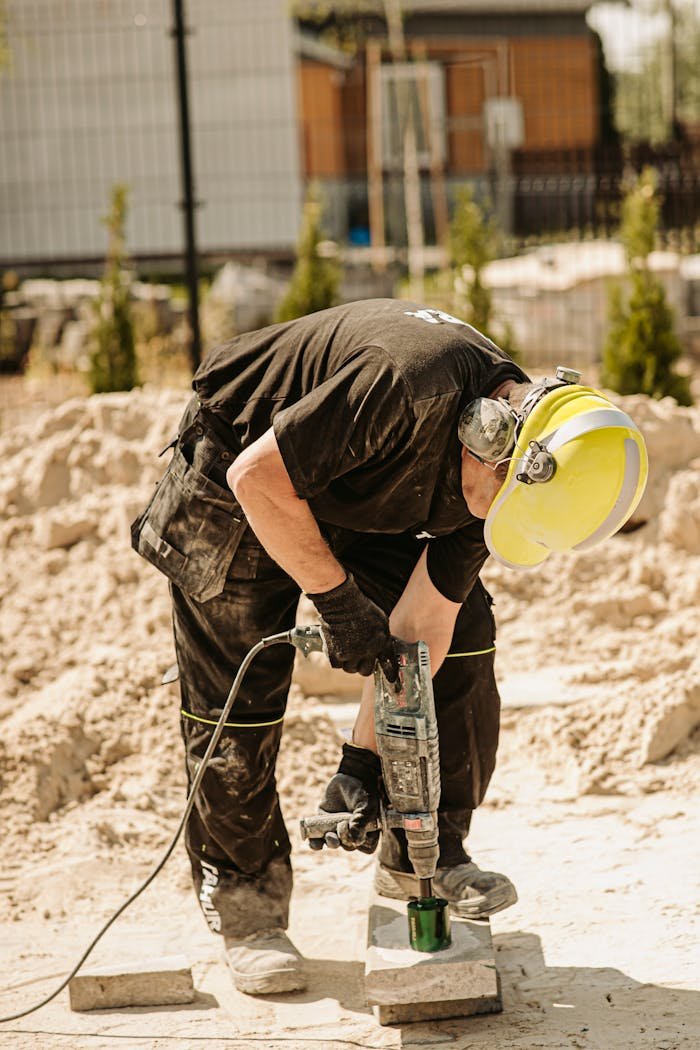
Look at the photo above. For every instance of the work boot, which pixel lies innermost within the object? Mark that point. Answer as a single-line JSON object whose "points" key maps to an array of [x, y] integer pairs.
{"points": [[472, 893], [264, 963]]}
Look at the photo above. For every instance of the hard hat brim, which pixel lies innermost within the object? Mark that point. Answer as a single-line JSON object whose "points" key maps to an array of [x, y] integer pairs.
{"points": [[506, 539]]}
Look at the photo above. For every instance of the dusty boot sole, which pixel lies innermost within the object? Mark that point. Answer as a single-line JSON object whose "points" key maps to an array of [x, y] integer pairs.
{"points": [[269, 983], [401, 886]]}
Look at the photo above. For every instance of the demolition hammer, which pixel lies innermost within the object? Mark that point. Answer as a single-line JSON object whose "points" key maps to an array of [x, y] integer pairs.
{"points": [[407, 742]]}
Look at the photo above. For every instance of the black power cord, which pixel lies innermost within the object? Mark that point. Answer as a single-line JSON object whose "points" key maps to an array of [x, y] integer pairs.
{"points": [[274, 639]]}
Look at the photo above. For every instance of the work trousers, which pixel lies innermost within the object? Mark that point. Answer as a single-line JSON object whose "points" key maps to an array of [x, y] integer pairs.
{"points": [[227, 594]]}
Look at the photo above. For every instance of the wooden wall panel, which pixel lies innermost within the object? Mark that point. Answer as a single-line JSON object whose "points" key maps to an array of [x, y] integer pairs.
{"points": [[555, 78], [557, 82], [321, 119], [465, 99], [354, 101]]}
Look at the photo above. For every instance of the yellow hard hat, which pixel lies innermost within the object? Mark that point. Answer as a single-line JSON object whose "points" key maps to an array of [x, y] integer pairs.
{"points": [[578, 470]]}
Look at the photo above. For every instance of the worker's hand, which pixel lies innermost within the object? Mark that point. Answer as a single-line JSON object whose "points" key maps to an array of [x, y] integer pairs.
{"points": [[355, 789], [355, 631]]}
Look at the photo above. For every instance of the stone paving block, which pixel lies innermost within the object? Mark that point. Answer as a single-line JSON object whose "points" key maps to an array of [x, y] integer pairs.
{"points": [[405, 985], [149, 982]]}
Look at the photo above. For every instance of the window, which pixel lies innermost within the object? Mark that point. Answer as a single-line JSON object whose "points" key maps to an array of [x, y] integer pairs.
{"points": [[416, 91]]}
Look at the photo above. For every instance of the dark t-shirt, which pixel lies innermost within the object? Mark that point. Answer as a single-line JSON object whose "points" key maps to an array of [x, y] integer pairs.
{"points": [[364, 400]]}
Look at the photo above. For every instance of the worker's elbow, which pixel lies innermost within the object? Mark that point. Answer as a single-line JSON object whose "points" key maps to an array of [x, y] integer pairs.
{"points": [[258, 476], [240, 476]]}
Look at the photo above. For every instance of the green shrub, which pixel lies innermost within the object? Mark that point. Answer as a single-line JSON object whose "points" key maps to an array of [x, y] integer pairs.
{"points": [[315, 280], [113, 353], [473, 244], [642, 348]]}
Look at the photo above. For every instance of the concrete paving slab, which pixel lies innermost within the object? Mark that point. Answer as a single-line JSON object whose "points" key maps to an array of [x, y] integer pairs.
{"points": [[147, 982], [405, 985]]}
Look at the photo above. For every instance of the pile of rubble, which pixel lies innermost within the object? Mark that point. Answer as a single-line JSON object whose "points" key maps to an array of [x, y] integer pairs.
{"points": [[90, 736], [55, 318]]}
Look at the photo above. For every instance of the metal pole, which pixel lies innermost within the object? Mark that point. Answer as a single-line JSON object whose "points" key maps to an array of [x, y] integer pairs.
{"points": [[188, 203], [672, 70], [409, 146]]}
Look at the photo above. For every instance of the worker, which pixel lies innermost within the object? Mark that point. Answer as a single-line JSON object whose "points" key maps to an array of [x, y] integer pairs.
{"points": [[366, 456]]}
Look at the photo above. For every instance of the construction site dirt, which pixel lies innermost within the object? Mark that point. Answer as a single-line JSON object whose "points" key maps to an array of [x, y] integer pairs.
{"points": [[592, 811]]}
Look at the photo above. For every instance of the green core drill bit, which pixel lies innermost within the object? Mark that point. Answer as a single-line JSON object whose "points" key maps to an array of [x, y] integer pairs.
{"points": [[429, 924]]}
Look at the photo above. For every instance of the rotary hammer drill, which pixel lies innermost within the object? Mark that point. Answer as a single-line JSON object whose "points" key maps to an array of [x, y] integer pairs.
{"points": [[407, 742]]}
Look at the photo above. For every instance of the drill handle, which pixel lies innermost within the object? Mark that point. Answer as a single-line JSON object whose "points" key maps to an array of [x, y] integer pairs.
{"points": [[317, 826], [419, 825]]}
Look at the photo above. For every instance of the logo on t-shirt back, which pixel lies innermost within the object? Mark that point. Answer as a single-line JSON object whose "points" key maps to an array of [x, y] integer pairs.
{"points": [[435, 317]]}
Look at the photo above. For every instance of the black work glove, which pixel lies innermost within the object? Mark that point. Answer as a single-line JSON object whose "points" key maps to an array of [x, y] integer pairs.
{"points": [[355, 631], [356, 789]]}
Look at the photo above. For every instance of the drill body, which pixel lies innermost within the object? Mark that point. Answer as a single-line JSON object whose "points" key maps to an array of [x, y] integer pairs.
{"points": [[407, 742]]}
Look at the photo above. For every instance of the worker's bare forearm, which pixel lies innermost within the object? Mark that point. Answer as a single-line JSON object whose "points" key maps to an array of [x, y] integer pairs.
{"points": [[281, 521], [421, 614], [363, 733]]}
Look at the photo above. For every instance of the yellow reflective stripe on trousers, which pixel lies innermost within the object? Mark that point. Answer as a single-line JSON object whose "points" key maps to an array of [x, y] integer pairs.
{"points": [[230, 725], [276, 721], [477, 652]]}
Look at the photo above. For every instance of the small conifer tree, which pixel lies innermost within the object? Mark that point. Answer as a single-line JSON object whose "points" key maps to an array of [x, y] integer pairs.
{"points": [[113, 355], [473, 244], [642, 348], [315, 280]]}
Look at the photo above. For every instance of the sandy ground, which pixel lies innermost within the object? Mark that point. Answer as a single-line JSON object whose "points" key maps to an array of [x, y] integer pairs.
{"points": [[592, 811], [600, 952]]}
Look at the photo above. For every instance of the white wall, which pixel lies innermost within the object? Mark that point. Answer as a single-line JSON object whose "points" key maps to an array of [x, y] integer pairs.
{"points": [[90, 100]]}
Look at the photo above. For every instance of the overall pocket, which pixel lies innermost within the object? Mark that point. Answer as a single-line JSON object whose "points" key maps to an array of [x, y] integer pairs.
{"points": [[190, 530]]}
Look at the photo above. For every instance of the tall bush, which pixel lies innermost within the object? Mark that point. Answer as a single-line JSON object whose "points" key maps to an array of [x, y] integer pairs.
{"points": [[316, 276], [642, 348], [113, 354], [473, 244]]}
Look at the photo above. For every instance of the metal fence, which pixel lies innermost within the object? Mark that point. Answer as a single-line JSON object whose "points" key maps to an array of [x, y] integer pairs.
{"points": [[88, 99], [544, 107]]}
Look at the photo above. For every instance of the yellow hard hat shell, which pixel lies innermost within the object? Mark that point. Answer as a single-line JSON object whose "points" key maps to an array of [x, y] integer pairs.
{"points": [[601, 472]]}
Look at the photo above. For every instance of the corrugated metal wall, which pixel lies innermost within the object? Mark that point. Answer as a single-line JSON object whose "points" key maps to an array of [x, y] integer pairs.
{"points": [[89, 99]]}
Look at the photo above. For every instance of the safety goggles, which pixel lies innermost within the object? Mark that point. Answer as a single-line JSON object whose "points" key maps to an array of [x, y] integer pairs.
{"points": [[489, 427]]}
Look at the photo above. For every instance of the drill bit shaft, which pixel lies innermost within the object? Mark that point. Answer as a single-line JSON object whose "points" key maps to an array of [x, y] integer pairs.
{"points": [[426, 887]]}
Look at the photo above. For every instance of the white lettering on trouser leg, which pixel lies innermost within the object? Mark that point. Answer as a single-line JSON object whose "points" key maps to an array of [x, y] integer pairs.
{"points": [[210, 880]]}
